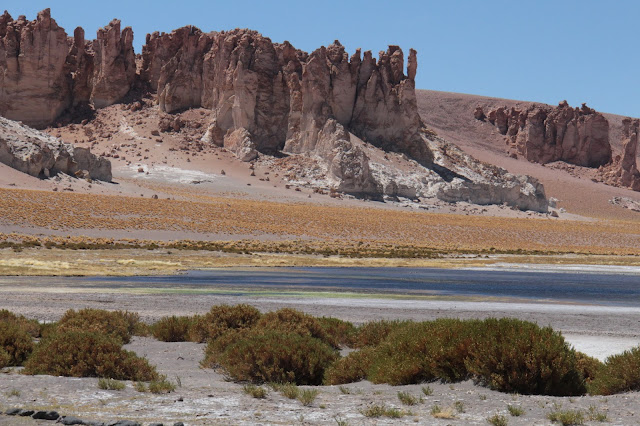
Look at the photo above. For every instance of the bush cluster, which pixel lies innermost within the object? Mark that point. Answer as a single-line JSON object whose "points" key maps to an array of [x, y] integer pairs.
{"points": [[16, 344], [118, 324], [619, 373], [79, 353], [507, 355], [266, 355]]}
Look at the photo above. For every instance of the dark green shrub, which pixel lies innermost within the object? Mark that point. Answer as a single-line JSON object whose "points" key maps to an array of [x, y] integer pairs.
{"points": [[30, 326], [221, 319], [421, 352], [341, 333], [588, 366], [15, 342], [352, 368], [5, 359], [620, 373], [135, 326], [263, 356], [173, 329], [374, 332], [511, 355], [114, 324], [87, 354], [293, 321]]}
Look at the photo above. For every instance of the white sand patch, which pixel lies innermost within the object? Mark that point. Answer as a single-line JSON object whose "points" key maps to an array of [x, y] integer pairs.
{"points": [[167, 174], [601, 347], [126, 129]]}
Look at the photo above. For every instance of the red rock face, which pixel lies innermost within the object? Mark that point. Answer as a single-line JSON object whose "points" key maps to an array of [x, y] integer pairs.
{"points": [[623, 171], [282, 96], [544, 134], [43, 72]]}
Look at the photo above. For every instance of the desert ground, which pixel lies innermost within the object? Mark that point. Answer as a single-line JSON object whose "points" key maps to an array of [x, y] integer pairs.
{"points": [[172, 209]]}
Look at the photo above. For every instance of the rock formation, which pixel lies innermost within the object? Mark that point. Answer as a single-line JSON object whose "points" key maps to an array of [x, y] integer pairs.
{"points": [[43, 72], [42, 155], [623, 170], [543, 134], [283, 97]]}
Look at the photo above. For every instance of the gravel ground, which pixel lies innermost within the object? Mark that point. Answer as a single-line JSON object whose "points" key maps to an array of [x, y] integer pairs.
{"points": [[205, 397]]}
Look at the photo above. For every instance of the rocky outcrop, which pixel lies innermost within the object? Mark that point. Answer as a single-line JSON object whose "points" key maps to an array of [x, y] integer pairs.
{"points": [[34, 82], [114, 64], [42, 155], [283, 97], [43, 72], [623, 170], [543, 134]]}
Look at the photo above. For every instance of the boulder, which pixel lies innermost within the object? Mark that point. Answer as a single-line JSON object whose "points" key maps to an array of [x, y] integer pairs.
{"points": [[42, 155]]}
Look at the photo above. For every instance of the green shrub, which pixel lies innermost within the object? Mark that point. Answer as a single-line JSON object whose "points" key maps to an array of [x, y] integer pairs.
{"points": [[620, 373], [515, 411], [497, 420], [110, 384], [15, 342], [161, 385], [511, 355], [135, 326], [307, 396], [422, 352], [257, 392], [115, 324], [407, 399], [566, 417], [221, 319], [172, 329], [341, 333], [87, 354], [5, 358], [374, 332], [289, 390], [292, 321], [351, 368], [261, 356], [588, 366], [31, 326]]}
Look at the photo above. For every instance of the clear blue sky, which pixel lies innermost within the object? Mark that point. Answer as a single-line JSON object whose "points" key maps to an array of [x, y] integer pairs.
{"points": [[544, 50]]}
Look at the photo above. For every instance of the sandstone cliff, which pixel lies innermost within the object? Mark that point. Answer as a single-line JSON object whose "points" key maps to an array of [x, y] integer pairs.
{"points": [[43, 72], [543, 134], [42, 155]]}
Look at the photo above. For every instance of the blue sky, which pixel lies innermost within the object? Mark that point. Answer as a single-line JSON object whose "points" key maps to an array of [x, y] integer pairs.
{"points": [[544, 51]]}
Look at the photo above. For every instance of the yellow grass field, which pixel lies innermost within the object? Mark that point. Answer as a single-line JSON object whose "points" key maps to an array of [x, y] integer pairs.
{"points": [[273, 226]]}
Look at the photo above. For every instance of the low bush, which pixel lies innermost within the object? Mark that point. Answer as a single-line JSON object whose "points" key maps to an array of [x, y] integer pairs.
{"points": [[292, 321], [161, 385], [341, 333], [352, 368], [110, 384], [619, 373], [257, 392], [374, 332], [307, 396], [511, 355], [111, 323], [16, 344], [566, 417], [221, 319], [422, 352], [173, 329], [498, 420], [261, 356], [87, 354], [507, 355], [31, 326]]}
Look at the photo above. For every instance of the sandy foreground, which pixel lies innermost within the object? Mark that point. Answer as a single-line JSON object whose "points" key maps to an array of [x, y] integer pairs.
{"points": [[205, 397]]}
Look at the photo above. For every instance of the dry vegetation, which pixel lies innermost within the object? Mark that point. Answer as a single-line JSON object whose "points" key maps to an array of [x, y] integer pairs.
{"points": [[318, 229]]}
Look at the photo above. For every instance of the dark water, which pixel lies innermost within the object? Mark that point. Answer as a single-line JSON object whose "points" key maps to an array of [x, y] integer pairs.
{"points": [[592, 288]]}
